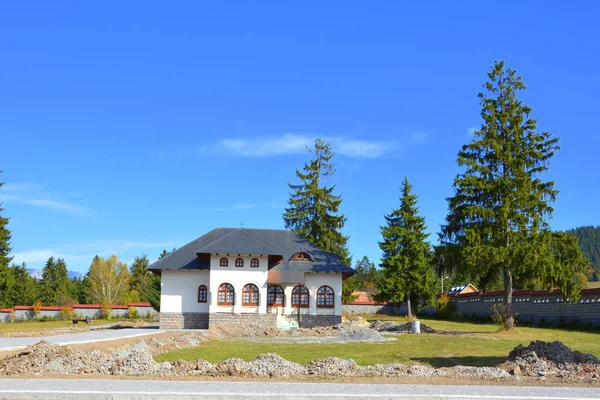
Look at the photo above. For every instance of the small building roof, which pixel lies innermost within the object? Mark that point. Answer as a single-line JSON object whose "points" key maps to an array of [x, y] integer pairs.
{"points": [[279, 244]]}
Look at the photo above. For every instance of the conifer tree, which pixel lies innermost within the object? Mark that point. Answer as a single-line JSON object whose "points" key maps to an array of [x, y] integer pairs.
{"points": [[313, 210], [497, 226], [141, 278], [5, 259], [55, 281], [406, 265], [25, 290]]}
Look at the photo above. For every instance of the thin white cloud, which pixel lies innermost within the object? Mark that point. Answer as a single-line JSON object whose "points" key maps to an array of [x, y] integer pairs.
{"points": [[41, 256], [79, 255], [243, 206], [34, 195], [291, 143]]}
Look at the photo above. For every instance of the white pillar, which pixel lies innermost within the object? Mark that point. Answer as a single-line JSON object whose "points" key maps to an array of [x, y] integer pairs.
{"points": [[312, 300]]}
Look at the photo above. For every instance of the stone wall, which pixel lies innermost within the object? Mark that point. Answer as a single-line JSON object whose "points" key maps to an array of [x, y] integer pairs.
{"points": [[373, 308], [534, 307], [312, 321], [250, 322], [81, 310], [188, 320]]}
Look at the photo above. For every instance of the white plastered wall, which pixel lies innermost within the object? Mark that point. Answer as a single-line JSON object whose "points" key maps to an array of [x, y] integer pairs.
{"points": [[313, 282], [238, 278], [179, 291]]}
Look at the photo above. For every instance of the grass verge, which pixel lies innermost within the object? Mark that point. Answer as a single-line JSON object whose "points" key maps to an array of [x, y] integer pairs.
{"points": [[38, 326], [484, 345]]}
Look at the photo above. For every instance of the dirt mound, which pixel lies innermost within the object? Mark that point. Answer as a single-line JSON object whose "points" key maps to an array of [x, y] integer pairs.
{"points": [[332, 366], [44, 358], [552, 351], [135, 323], [392, 327], [552, 358]]}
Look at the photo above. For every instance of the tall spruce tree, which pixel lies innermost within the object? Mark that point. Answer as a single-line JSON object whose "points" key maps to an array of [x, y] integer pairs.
{"points": [[141, 278], [25, 290], [407, 262], [313, 210], [497, 226], [5, 259], [55, 281]]}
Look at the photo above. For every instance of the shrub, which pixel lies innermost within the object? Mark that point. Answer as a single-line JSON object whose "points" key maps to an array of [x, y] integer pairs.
{"points": [[149, 315], [45, 318], [106, 311], [66, 314], [37, 307], [13, 317], [133, 313], [500, 314], [445, 308]]}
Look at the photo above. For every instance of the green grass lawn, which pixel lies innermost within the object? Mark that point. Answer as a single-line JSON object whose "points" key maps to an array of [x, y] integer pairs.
{"points": [[484, 346], [37, 326]]}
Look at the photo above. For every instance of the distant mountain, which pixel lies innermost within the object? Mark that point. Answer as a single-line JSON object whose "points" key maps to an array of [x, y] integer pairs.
{"points": [[589, 242], [37, 274]]}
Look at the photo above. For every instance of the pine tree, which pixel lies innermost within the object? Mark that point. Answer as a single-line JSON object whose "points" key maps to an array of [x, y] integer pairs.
{"points": [[313, 210], [5, 259], [497, 223], [141, 278], [25, 289], [55, 282], [406, 265]]}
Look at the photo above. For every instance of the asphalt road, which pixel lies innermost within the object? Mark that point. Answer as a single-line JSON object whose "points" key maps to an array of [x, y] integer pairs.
{"points": [[135, 390], [91, 336]]}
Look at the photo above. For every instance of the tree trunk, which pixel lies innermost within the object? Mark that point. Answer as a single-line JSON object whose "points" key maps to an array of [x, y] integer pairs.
{"points": [[408, 308], [508, 286]]}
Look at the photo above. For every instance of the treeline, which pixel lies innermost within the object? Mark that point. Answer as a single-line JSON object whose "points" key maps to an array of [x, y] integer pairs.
{"points": [[496, 234], [108, 281], [589, 242]]}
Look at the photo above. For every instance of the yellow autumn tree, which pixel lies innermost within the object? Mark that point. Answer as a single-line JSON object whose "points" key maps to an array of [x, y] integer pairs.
{"points": [[108, 280]]}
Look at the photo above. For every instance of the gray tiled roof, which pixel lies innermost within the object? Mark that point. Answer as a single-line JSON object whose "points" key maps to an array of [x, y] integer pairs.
{"points": [[273, 242]]}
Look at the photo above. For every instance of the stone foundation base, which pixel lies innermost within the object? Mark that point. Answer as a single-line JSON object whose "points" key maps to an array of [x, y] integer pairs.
{"points": [[248, 322], [311, 321], [187, 320]]}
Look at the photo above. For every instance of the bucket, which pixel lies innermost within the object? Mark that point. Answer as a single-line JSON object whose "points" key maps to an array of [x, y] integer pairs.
{"points": [[416, 327]]}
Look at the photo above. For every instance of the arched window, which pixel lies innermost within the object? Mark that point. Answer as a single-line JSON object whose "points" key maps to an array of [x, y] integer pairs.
{"points": [[300, 296], [224, 262], [202, 294], [325, 297], [254, 263], [239, 262], [250, 295], [275, 296], [226, 295]]}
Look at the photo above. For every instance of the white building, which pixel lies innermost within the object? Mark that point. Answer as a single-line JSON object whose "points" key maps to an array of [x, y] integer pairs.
{"points": [[256, 276]]}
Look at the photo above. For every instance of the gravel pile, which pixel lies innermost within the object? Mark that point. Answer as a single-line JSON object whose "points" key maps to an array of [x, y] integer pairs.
{"points": [[392, 327], [553, 351], [273, 365], [44, 358], [552, 359], [333, 366], [479, 372]]}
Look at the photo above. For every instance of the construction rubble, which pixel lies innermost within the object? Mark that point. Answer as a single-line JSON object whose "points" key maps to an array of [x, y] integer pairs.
{"points": [[539, 360]]}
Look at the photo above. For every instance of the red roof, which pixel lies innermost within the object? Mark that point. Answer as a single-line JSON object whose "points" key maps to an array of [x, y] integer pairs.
{"points": [[142, 304], [7, 310]]}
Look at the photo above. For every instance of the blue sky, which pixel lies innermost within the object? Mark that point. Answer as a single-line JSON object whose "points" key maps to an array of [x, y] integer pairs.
{"points": [[131, 127]]}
